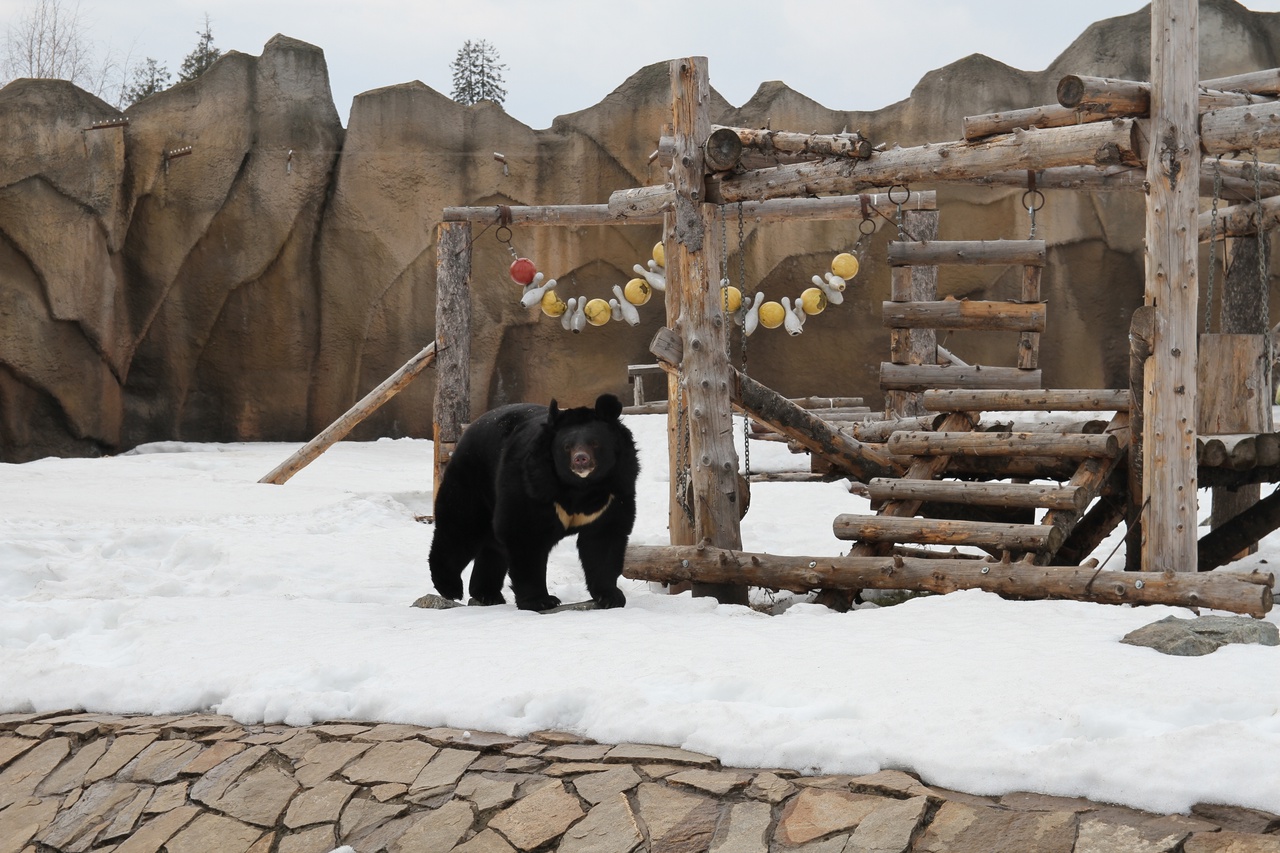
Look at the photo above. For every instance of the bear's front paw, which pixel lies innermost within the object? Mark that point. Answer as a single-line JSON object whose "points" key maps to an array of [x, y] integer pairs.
{"points": [[486, 600], [610, 598], [448, 588], [538, 602]]}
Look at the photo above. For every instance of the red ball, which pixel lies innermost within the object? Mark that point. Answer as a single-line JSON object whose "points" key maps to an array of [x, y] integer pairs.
{"points": [[523, 271]]}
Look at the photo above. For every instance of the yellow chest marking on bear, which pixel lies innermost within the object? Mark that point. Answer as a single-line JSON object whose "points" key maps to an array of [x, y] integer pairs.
{"points": [[580, 519]]}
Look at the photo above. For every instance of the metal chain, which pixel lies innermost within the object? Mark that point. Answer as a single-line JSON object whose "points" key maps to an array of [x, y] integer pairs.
{"points": [[1213, 242], [724, 283], [742, 285]]}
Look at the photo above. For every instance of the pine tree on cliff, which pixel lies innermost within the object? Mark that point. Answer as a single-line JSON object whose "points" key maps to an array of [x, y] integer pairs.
{"points": [[148, 78], [198, 61], [477, 74]]}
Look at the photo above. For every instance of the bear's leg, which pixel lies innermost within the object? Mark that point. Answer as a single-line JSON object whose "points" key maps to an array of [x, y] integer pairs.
{"points": [[529, 579], [602, 556], [449, 555], [488, 574]]}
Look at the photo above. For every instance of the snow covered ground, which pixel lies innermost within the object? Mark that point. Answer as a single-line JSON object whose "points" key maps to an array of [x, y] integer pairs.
{"points": [[168, 580]]}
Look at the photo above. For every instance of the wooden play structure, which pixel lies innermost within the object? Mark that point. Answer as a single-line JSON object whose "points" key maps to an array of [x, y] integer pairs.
{"points": [[950, 465]]}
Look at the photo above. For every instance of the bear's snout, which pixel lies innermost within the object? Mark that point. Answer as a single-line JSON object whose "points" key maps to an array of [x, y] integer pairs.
{"points": [[581, 462]]}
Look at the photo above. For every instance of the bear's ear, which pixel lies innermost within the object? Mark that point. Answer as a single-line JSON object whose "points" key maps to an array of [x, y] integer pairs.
{"points": [[608, 407], [553, 412]]}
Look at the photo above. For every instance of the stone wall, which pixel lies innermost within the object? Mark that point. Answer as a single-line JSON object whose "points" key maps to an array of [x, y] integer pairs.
{"points": [[255, 288]]}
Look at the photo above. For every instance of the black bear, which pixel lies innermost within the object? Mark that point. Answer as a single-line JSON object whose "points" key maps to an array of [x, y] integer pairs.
{"points": [[522, 478]]}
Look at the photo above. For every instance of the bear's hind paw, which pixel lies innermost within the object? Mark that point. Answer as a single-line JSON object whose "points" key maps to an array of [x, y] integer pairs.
{"points": [[609, 599], [538, 602]]}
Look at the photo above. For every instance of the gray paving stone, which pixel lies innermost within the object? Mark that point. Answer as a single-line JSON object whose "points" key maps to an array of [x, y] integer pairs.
{"points": [[200, 724], [487, 841], [340, 730], [643, 753], [123, 749], [212, 832], [1102, 836], [213, 785], [816, 812], [469, 739], [487, 791], [443, 771], [575, 768], [325, 759], [962, 828], [676, 820], [598, 787], [11, 747], [388, 791], [390, 761], [20, 779], [322, 804], [610, 827], [105, 806], [889, 828], [20, 822], [770, 787], [714, 782], [438, 829], [508, 763], [577, 752], [361, 815], [1231, 842], [167, 797], [525, 748], [297, 746], [390, 731], [72, 771], [313, 839], [259, 796], [212, 757], [746, 829], [152, 835], [538, 817], [161, 761]]}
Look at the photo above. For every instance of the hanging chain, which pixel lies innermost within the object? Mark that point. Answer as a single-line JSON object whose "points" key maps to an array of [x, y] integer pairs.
{"points": [[682, 452], [1213, 242], [1032, 200], [1264, 285], [742, 285], [724, 283], [902, 231]]}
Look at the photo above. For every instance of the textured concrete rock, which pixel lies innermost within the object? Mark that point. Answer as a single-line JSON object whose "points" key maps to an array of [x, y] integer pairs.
{"points": [[443, 771], [322, 761], [816, 812], [715, 782], [313, 839], [20, 779], [770, 787], [489, 791], [392, 761], [153, 834], [210, 832], [1102, 836], [322, 804], [485, 842], [20, 822], [610, 827], [597, 787], [677, 821], [161, 761], [889, 828], [644, 753], [745, 829], [960, 828], [1203, 634], [539, 817], [438, 829], [1231, 842]]}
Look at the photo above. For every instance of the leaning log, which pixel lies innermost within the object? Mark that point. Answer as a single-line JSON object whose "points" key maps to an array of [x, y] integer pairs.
{"points": [[1238, 593], [1101, 143], [1221, 545], [1239, 220], [337, 430]]}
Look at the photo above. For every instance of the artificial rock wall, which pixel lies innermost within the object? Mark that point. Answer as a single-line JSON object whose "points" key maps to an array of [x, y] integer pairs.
{"points": [[254, 288]]}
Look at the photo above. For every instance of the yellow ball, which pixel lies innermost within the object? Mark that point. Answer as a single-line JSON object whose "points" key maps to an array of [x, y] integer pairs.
{"points": [[844, 265], [552, 305], [772, 314], [637, 291], [731, 298], [598, 312], [660, 254], [813, 300]]}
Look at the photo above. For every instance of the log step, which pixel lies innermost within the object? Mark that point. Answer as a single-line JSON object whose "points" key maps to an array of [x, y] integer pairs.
{"points": [[1058, 400], [977, 314], [926, 531], [1075, 446], [1020, 495], [923, 377], [967, 252]]}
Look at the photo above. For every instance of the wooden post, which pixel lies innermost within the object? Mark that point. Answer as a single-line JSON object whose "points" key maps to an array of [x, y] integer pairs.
{"points": [[452, 408], [1173, 174], [692, 270]]}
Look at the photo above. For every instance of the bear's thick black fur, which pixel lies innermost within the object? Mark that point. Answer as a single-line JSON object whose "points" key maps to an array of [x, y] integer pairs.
{"points": [[522, 478]]}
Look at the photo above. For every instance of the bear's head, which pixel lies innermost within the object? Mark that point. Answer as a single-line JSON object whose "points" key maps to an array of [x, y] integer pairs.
{"points": [[585, 441]]}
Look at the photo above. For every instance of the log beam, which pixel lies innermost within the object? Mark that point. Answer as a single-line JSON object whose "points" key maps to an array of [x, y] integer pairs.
{"points": [[926, 377], [551, 214], [967, 252], [1238, 593], [882, 529], [1239, 220], [1072, 446], [1060, 400], [1008, 495], [1109, 97], [1232, 129], [979, 315]]}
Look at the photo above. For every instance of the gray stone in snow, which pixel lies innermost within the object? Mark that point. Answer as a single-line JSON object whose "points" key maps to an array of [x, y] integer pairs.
{"points": [[1202, 635]]}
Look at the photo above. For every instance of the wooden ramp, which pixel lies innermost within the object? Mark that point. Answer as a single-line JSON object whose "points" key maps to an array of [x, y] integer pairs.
{"points": [[950, 495]]}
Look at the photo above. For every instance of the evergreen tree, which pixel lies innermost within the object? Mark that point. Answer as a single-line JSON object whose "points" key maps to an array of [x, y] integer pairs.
{"points": [[198, 61], [477, 74], [149, 78]]}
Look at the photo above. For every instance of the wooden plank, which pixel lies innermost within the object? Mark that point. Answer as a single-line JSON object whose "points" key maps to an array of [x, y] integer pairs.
{"points": [[1024, 495], [967, 252], [452, 406], [1077, 446], [1054, 400], [1101, 143], [1173, 172], [692, 266], [931, 531], [975, 314], [1234, 376], [926, 377], [1238, 593]]}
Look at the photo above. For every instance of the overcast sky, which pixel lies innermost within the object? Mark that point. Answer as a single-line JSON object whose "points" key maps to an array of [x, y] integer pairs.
{"points": [[566, 55]]}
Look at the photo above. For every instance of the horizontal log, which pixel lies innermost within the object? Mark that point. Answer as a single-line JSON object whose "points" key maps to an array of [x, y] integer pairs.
{"points": [[879, 431], [1240, 220], [817, 404], [968, 252], [1236, 593], [1232, 129], [925, 377], [1056, 400], [1012, 467], [1049, 115], [642, 203], [1023, 495], [1133, 179], [975, 314], [1265, 82], [928, 531], [645, 204], [552, 214], [1111, 97], [1100, 143], [819, 144], [1080, 446]]}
